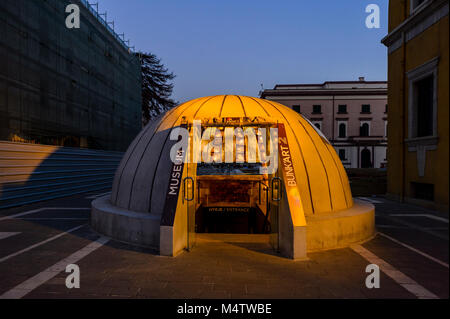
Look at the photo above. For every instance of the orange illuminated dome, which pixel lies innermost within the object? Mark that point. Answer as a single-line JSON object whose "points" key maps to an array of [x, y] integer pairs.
{"points": [[142, 180]]}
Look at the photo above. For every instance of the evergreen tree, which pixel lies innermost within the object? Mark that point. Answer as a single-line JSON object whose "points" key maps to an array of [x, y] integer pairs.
{"points": [[156, 87]]}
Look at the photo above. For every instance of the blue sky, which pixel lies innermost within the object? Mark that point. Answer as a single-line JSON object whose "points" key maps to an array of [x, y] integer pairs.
{"points": [[231, 46]]}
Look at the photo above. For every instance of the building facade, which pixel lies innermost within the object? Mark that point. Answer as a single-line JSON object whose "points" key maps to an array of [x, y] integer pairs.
{"points": [[418, 77], [351, 114], [60, 86]]}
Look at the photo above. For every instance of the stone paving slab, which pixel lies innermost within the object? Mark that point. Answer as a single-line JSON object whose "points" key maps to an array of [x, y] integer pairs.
{"points": [[330, 275], [220, 266]]}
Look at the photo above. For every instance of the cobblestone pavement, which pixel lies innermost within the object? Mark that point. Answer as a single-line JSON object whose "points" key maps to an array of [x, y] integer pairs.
{"points": [[36, 241]]}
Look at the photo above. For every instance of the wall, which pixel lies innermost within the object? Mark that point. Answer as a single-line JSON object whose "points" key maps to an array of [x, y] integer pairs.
{"points": [[32, 173], [353, 115], [403, 163], [353, 160], [330, 118]]}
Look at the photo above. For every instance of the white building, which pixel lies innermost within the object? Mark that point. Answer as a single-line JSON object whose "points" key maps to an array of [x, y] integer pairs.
{"points": [[351, 114]]}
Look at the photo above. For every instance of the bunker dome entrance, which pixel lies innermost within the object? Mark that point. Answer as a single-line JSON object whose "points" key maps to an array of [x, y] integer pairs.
{"points": [[232, 164], [231, 184]]}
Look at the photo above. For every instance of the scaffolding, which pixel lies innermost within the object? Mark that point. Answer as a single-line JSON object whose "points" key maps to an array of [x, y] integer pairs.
{"points": [[107, 25]]}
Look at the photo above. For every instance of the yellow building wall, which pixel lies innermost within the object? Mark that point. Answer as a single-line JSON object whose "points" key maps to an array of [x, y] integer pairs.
{"points": [[429, 44], [396, 127], [397, 13]]}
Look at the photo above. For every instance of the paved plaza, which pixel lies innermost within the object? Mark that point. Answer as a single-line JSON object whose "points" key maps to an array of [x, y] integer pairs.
{"points": [[38, 241]]}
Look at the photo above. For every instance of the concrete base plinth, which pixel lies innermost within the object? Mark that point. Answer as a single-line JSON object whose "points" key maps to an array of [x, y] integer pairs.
{"points": [[141, 229], [342, 228], [325, 231]]}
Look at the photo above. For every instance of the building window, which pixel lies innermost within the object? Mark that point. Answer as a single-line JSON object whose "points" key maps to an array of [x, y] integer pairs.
{"points": [[364, 129], [318, 125], [366, 158], [385, 128], [365, 108], [317, 109], [422, 108], [342, 154], [342, 130], [386, 108], [423, 90], [296, 108], [342, 109]]}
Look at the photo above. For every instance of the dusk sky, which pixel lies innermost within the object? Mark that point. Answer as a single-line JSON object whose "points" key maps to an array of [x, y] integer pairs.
{"points": [[231, 47]]}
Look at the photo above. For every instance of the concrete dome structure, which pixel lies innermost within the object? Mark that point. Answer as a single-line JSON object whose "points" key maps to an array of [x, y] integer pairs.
{"points": [[141, 181]]}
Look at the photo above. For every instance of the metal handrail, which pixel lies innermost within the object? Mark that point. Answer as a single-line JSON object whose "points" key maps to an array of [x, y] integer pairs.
{"points": [[278, 198], [189, 199], [105, 24]]}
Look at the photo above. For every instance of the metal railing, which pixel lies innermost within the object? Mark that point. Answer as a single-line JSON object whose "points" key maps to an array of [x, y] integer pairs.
{"points": [[106, 24]]}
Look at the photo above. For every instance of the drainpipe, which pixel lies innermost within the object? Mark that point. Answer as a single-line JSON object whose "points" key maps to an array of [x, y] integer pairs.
{"points": [[404, 121]]}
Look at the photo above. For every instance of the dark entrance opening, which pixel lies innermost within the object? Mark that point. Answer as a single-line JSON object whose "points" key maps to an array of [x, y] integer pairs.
{"points": [[366, 158], [231, 203], [237, 220], [232, 195]]}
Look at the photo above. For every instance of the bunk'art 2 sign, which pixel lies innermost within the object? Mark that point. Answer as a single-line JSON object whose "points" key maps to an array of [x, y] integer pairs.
{"points": [[290, 180]]}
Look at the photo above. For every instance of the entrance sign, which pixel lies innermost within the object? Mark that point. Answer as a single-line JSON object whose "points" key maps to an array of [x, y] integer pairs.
{"points": [[173, 189], [290, 180], [224, 210]]}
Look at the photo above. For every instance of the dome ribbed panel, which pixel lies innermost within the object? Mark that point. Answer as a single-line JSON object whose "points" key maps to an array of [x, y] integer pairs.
{"points": [[141, 180]]}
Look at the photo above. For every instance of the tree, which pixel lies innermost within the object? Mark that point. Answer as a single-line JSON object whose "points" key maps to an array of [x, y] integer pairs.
{"points": [[156, 87]]}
